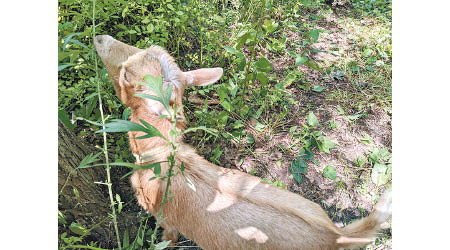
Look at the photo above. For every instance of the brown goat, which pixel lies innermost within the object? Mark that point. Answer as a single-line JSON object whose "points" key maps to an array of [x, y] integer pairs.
{"points": [[229, 209]]}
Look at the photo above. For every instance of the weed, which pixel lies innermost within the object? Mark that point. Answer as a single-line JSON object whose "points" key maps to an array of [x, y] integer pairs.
{"points": [[381, 161], [329, 172], [277, 183]]}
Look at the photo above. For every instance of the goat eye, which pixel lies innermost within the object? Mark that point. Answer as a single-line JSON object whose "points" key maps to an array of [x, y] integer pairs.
{"points": [[125, 76]]}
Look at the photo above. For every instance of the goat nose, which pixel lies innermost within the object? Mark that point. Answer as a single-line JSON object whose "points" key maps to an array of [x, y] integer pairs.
{"points": [[99, 39]]}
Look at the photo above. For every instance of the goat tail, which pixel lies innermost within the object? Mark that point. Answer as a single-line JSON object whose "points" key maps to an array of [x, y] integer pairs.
{"points": [[362, 232]]}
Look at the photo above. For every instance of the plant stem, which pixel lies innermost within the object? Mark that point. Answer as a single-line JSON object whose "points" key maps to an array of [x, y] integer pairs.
{"points": [[171, 162], [166, 193], [201, 51], [105, 143], [247, 69]]}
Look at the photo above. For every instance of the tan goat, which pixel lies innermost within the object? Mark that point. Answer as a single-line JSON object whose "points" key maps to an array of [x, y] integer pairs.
{"points": [[229, 209]]}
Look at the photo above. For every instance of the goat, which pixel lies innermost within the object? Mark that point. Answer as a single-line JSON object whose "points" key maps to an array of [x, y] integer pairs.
{"points": [[229, 209]]}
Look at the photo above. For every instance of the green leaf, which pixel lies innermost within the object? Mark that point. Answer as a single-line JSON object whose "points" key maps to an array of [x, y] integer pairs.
{"points": [[65, 119], [306, 153], [140, 239], [263, 65], [63, 66], [298, 167], [124, 11], [154, 82], [354, 117], [162, 245], [74, 41], [312, 65], [182, 168], [318, 88], [242, 38], [119, 202], [121, 164], [244, 110], [157, 170], [262, 78], [69, 38], [367, 52], [126, 126], [259, 126], [250, 139], [360, 161], [242, 62], [223, 93], [91, 158], [366, 139], [167, 96], [314, 34], [291, 53], [223, 117], [329, 172], [230, 50], [150, 130], [325, 144], [121, 126], [316, 162], [270, 26], [299, 60], [138, 167], [312, 120], [238, 124], [133, 166], [156, 98], [76, 193], [122, 26], [61, 218], [78, 229], [317, 50], [150, 28], [341, 110], [292, 130], [126, 113], [226, 105], [381, 173], [126, 239], [317, 134]]}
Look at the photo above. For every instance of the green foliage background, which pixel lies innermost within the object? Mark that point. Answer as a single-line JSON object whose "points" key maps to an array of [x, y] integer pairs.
{"points": [[244, 37]]}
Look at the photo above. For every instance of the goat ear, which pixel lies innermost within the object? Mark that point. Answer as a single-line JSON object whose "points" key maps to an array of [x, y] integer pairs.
{"points": [[124, 86], [203, 77]]}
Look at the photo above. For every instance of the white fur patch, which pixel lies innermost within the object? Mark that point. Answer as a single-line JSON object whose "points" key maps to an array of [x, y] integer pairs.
{"points": [[189, 78], [169, 69], [252, 233], [154, 106], [221, 202]]}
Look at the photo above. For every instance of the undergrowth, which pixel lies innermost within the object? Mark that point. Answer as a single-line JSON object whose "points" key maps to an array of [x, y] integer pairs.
{"points": [[254, 99]]}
